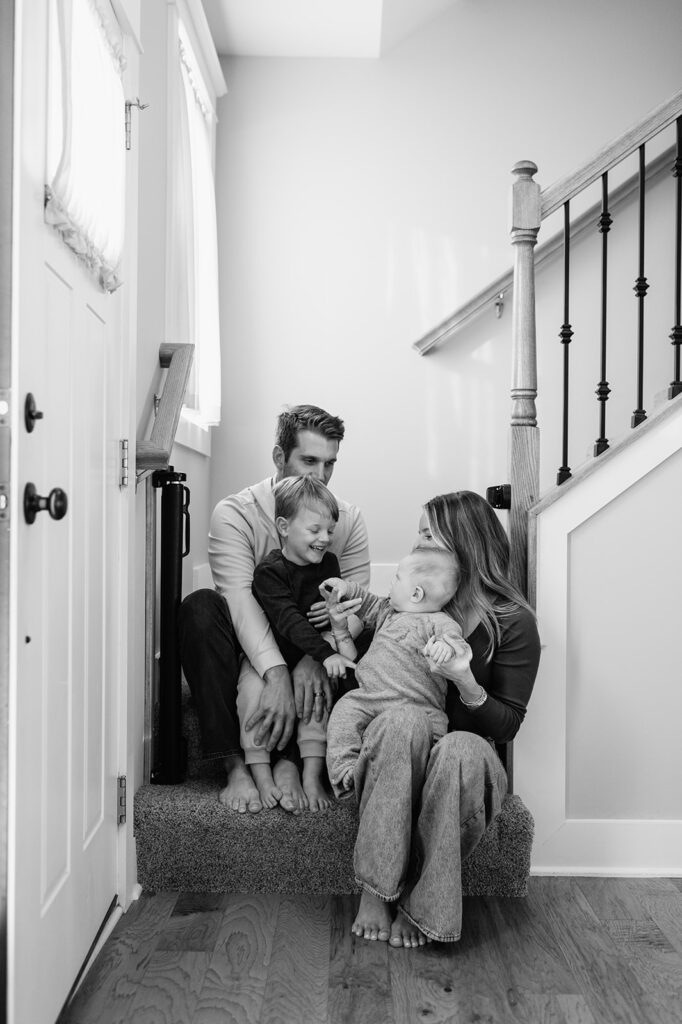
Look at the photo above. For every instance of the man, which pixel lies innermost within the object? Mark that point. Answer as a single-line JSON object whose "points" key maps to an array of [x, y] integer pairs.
{"points": [[217, 626]]}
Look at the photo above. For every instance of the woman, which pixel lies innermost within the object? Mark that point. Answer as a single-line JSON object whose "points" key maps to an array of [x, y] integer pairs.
{"points": [[424, 807]]}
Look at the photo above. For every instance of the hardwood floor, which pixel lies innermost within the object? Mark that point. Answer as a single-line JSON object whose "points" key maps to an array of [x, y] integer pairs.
{"points": [[576, 951]]}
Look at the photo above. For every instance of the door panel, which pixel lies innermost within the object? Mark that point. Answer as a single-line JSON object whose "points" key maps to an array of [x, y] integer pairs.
{"points": [[69, 347]]}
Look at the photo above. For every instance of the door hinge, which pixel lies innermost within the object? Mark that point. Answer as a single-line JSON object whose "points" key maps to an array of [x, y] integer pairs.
{"points": [[123, 450], [121, 800]]}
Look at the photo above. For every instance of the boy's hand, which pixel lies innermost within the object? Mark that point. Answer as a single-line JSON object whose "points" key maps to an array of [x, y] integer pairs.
{"points": [[336, 665]]}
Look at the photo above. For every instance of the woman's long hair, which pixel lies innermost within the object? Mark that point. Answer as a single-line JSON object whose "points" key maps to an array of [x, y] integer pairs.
{"points": [[464, 522]]}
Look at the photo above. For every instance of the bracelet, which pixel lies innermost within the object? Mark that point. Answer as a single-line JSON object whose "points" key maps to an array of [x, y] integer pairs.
{"points": [[342, 636], [470, 705]]}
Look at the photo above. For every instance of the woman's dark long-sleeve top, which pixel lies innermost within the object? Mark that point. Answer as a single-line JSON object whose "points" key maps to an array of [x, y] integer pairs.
{"points": [[508, 678], [285, 592]]}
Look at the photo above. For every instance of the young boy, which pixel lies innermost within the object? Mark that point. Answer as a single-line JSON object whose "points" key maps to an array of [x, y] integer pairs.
{"points": [[394, 669], [286, 583]]}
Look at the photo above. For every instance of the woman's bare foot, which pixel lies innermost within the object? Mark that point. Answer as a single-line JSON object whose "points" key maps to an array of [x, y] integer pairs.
{"points": [[318, 797], [240, 793], [373, 919], [269, 793], [286, 777], [406, 934]]}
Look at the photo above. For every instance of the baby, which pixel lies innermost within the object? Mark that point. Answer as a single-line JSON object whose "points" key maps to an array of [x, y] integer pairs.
{"points": [[394, 669]]}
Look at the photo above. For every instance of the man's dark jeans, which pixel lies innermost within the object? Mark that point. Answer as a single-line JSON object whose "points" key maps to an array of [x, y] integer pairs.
{"points": [[210, 654]]}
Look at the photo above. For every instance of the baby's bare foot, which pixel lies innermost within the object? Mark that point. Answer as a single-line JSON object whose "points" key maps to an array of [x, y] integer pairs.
{"points": [[240, 794], [286, 778], [318, 797], [373, 919], [269, 793], [406, 934]]}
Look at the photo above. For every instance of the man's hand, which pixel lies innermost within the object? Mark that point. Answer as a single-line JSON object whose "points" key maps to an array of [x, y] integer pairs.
{"points": [[274, 720], [312, 689]]}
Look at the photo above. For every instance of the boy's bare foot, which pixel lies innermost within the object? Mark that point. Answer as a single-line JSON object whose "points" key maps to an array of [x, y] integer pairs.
{"points": [[269, 793], [373, 919], [240, 793], [286, 777], [318, 797], [406, 934]]}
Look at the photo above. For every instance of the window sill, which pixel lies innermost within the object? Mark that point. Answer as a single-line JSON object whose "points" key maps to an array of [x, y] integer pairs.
{"points": [[193, 433]]}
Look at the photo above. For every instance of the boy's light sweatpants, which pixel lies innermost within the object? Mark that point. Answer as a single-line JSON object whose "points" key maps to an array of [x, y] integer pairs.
{"points": [[312, 738]]}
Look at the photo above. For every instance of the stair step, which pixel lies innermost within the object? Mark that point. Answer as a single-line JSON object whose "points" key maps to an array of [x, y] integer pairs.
{"points": [[188, 842]]}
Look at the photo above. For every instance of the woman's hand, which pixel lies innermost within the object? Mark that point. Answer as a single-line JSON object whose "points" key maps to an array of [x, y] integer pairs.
{"points": [[318, 615], [456, 668]]}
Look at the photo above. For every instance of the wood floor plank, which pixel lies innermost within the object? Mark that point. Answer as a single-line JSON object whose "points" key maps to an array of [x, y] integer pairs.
{"points": [[110, 984], [426, 987], [533, 962], [613, 993], [359, 983], [191, 931], [298, 979], [234, 984], [169, 990]]}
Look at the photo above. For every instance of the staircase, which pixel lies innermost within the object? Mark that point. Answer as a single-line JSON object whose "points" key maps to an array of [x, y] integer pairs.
{"points": [[188, 842]]}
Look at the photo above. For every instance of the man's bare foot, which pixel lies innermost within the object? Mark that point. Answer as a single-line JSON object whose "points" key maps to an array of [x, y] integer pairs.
{"points": [[286, 777], [373, 919], [318, 797], [240, 793], [269, 793], [406, 934]]}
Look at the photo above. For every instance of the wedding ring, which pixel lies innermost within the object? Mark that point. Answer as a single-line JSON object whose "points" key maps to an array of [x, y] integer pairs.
{"points": [[317, 693]]}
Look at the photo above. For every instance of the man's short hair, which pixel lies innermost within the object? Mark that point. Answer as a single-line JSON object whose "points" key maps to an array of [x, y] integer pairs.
{"points": [[306, 417], [437, 571], [296, 492]]}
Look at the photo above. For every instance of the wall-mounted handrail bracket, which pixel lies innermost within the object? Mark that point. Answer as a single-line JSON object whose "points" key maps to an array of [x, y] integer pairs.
{"points": [[155, 453]]}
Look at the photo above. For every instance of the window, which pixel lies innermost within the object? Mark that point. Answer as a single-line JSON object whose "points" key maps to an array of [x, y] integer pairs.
{"points": [[192, 301], [85, 190]]}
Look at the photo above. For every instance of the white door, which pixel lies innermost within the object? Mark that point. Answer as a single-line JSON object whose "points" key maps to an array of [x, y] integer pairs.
{"points": [[67, 580]]}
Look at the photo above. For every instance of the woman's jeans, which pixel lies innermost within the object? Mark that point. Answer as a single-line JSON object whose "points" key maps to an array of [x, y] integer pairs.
{"points": [[423, 809]]}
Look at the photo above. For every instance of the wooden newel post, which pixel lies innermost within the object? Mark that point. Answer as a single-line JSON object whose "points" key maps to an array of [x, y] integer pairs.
{"points": [[524, 438]]}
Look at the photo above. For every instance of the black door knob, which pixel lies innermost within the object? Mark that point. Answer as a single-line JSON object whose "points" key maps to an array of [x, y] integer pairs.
{"points": [[56, 503], [31, 413]]}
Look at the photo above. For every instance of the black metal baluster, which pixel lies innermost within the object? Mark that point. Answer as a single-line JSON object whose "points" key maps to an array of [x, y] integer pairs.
{"points": [[565, 334], [603, 389], [640, 290], [676, 334]]}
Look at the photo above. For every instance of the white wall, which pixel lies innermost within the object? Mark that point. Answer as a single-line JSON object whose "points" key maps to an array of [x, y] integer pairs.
{"points": [[360, 202]]}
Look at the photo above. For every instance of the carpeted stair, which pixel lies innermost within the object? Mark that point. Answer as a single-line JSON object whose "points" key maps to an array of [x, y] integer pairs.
{"points": [[187, 841]]}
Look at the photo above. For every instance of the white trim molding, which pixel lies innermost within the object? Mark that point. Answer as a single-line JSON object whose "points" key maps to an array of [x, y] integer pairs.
{"points": [[566, 841]]}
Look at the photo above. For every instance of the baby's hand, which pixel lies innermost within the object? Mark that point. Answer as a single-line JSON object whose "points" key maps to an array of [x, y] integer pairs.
{"points": [[333, 589], [336, 665], [438, 650]]}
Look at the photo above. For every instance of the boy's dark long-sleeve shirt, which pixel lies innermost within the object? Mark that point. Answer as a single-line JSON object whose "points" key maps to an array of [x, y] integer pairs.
{"points": [[286, 592]]}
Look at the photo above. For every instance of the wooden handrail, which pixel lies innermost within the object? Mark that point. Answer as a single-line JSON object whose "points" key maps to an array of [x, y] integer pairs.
{"points": [[503, 285], [566, 188], [155, 453]]}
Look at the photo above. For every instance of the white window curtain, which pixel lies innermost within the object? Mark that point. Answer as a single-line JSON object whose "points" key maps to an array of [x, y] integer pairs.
{"points": [[192, 263], [85, 194]]}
